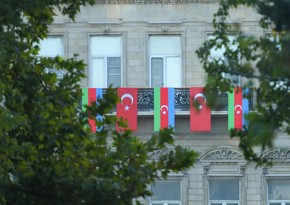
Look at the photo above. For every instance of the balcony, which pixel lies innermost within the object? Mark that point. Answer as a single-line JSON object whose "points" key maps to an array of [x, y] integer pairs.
{"points": [[181, 102]]}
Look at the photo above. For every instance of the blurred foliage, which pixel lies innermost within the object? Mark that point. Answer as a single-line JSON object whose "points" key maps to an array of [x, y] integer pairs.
{"points": [[261, 62], [48, 155]]}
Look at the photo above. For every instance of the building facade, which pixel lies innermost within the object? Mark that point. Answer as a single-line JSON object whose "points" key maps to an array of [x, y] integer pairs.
{"points": [[152, 43]]}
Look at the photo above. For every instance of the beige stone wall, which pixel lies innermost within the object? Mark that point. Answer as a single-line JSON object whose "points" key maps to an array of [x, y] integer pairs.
{"points": [[193, 22], [135, 22]]}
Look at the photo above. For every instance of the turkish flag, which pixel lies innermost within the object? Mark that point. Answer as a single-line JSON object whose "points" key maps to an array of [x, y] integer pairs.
{"points": [[200, 120], [238, 112], [127, 107]]}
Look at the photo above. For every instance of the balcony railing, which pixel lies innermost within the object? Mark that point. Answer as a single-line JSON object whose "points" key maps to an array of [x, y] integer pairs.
{"points": [[182, 100]]}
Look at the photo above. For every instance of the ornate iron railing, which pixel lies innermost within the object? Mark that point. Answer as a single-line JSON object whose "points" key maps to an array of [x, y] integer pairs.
{"points": [[182, 100]]}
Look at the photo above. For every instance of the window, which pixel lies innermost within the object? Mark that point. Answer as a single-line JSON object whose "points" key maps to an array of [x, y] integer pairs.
{"points": [[165, 61], [166, 193], [279, 192], [106, 61], [224, 192], [51, 47], [218, 54]]}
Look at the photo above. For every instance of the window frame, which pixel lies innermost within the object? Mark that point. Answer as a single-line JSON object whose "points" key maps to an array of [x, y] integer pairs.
{"points": [[227, 75], [62, 52], [105, 57], [164, 57], [224, 202], [166, 202], [280, 202]]}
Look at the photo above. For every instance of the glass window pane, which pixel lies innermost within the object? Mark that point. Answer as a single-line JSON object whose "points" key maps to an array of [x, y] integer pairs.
{"points": [[114, 80], [224, 190], [97, 74], [51, 47], [279, 189], [105, 46], [173, 72], [114, 65], [165, 45], [156, 72], [275, 203], [232, 203], [235, 79], [166, 191], [59, 73], [216, 204]]}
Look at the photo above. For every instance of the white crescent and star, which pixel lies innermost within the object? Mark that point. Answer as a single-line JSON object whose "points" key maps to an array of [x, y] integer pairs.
{"points": [[199, 95], [127, 95], [238, 111], [164, 111]]}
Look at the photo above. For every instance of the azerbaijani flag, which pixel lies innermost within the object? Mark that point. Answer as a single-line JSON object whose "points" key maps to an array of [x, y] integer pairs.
{"points": [[163, 108], [90, 95], [200, 120], [238, 107]]}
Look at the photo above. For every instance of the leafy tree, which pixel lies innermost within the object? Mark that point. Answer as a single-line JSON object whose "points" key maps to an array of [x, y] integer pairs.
{"points": [[48, 155], [263, 62]]}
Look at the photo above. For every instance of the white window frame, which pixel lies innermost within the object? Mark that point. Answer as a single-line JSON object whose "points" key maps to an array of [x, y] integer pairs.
{"points": [[166, 202], [105, 58], [224, 202], [164, 57], [59, 73], [227, 75], [280, 202]]}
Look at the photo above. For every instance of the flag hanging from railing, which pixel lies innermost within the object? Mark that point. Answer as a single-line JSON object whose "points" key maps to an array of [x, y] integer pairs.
{"points": [[163, 108], [246, 106], [127, 107], [90, 95], [200, 120], [238, 107]]}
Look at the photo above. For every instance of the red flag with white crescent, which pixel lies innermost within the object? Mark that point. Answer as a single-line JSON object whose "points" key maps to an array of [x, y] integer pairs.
{"points": [[92, 97], [238, 112], [127, 107], [200, 120]]}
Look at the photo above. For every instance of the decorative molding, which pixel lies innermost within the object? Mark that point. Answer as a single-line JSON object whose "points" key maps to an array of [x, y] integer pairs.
{"points": [[223, 161], [278, 154], [155, 155], [265, 170], [225, 154], [206, 170]]}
